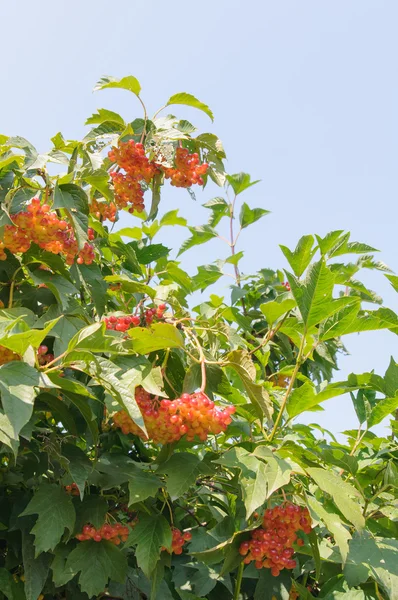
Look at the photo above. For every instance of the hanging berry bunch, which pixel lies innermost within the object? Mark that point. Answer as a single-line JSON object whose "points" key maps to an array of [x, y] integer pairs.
{"points": [[169, 420], [178, 540], [44, 356], [114, 533], [41, 226], [271, 545], [7, 355], [156, 314], [124, 322], [130, 157], [121, 323], [72, 489], [103, 210], [187, 169]]}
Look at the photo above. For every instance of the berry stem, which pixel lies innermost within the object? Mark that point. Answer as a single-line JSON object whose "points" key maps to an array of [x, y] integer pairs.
{"points": [[238, 583], [290, 387], [231, 236], [60, 357], [145, 119]]}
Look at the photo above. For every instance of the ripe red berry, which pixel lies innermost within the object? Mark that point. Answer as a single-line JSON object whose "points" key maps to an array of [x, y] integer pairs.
{"points": [[270, 546], [187, 169], [192, 415]]}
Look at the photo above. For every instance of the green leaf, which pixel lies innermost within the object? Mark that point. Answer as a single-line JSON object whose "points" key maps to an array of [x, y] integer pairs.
{"points": [[342, 494], [104, 115], [200, 235], [300, 258], [269, 587], [189, 100], [341, 321], [92, 510], [7, 584], [333, 523], [240, 182], [97, 562], [383, 408], [273, 309], [305, 397], [142, 485], [74, 200], [84, 408], [121, 249], [35, 569], [153, 252], [180, 277], [262, 473], [241, 362], [60, 287], [182, 470], [330, 239], [394, 281], [107, 374], [20, 342], [314, 294], [315, 553], [206, 276], [172, 218], [157, 337], [150, 534], [130, 285], [219, 209], [79, 465], [249, 215], [55, 514], [99, 180], [391, 378], [94, 282], [17, 387], [61, 575], [128, 83], [375, 557]]}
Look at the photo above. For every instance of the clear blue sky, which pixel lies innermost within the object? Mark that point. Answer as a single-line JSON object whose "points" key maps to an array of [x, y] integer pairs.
{"points": [[305, 97]]}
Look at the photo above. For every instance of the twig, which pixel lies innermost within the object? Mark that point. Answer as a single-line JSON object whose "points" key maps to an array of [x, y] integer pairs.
{"points": [[289, 388], [238, 583]]}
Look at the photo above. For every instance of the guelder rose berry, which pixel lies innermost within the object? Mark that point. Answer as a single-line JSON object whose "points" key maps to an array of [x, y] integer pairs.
{"points": [[7, 355], [166, 421], [39, 225], [113, 533], [187, 170], [178, 540], [271, 544], [127, 186]]}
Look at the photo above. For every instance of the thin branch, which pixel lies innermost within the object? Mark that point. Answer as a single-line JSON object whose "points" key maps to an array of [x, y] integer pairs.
{"points": [[289, 388]]}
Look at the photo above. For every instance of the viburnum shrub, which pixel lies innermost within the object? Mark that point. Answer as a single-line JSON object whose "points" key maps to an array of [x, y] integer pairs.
{"points": [[151, 443]]}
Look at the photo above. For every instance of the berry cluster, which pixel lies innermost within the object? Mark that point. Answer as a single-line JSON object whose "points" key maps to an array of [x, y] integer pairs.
{"points": [[128, 191], [178, 540], [114, 533], [154, 313], [7, 355], [271, 544], [103, 210], [43, 356], [188, 171], [72, 489], [131, 157], [167, 421], [41, 226], [121, 323], [286, 285]]}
